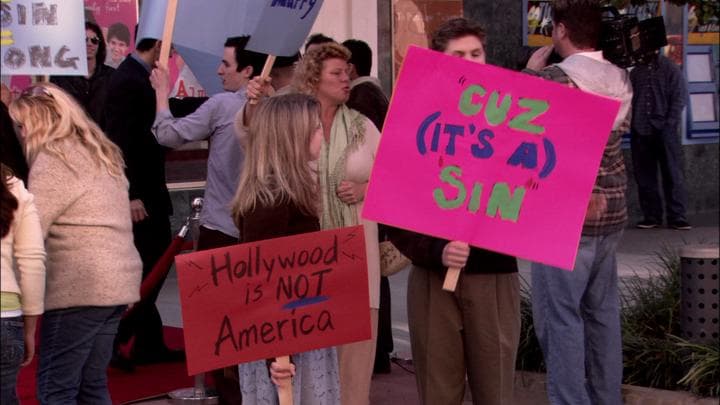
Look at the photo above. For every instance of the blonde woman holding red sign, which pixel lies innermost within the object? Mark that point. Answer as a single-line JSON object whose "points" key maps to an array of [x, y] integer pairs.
{"points": [[277, 196]]}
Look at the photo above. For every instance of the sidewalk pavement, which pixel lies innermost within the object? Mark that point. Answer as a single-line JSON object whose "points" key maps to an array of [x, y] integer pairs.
{"points": [[398, 388]]}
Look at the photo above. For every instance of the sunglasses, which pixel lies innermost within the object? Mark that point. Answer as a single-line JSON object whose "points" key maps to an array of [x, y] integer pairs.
{"points": [[36, 91], [92, 40]]}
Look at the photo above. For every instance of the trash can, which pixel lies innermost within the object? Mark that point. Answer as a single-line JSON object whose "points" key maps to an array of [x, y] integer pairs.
{"points": [[699, 298]]}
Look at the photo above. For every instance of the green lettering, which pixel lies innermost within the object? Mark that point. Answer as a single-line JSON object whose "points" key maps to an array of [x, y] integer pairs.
{"points": [[495, 115], [475, 198], [522, 122], [466, 105], [509, 205], [446, 176]]}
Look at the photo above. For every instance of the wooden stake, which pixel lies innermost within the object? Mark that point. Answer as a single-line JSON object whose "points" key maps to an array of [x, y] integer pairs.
{"points": [[285, 392], [167, 33], [451, 279], [269, 62]]}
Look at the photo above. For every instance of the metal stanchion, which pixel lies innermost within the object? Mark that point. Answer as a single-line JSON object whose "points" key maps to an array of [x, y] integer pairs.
{"points": [[197, 395]]}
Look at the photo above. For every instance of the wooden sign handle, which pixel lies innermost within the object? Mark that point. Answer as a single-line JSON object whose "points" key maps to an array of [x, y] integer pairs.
{"points": [[285, 392], [167, 33], [269, 62], [451, 279]]}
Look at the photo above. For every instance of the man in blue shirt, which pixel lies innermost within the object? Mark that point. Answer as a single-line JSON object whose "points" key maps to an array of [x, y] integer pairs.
{"points": [[214, 121]]}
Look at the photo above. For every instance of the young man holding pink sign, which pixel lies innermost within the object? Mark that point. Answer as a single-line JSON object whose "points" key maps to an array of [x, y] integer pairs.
{"points": [[474, 330], [576, 313]]}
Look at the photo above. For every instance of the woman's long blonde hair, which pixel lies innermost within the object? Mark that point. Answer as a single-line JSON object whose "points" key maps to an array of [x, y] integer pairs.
{"points": [[277, 156], [48, 118], [307, 73]]}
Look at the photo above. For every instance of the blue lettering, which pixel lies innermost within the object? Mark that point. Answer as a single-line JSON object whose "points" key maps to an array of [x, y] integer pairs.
{"points": [[420, 137], [525, 155], [550, 158], [295, 5], [486, 150], [453, 131]]}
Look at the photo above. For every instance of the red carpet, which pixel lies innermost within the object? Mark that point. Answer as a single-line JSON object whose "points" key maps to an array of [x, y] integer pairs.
{"points": [[145, 381]]}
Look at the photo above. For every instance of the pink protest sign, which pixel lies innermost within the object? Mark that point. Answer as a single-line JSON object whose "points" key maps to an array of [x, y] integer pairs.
{"points": [[502, 160]]}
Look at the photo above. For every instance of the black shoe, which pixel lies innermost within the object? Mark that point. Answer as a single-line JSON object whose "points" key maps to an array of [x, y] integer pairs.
{"points": [[382, 364], [680, 225], [647, 224], [160, 356]]}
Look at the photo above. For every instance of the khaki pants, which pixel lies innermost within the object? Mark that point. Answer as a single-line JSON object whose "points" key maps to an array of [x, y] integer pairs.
{"points": [[474, 330], [356, 361]]}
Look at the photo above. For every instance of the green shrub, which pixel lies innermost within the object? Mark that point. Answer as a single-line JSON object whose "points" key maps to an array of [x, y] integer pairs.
{"points": [[703, 377], [653, 354]]}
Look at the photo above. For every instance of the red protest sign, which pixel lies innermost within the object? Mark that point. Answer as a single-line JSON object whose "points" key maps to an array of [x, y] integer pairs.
{"points": [[274, 297]]}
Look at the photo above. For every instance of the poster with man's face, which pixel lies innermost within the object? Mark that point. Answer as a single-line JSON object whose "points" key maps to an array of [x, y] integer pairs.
{"points": [[117, 19]]}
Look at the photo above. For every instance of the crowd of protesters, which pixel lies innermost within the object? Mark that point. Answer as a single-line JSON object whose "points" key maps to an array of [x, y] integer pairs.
{"points": [[85, 216]]}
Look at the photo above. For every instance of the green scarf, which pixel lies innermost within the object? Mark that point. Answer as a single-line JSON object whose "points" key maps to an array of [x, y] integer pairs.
{"points": [[346, 134]]}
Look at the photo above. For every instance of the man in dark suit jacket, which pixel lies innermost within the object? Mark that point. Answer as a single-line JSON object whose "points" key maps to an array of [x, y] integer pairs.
{"points": [[129, 115], [366, 95]]}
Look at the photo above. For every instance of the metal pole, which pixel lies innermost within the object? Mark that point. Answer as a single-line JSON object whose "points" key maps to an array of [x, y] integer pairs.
{"points": [[198, 394]]}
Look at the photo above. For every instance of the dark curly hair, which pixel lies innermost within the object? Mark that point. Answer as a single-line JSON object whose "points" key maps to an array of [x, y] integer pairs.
{"points": [[102, 47]]}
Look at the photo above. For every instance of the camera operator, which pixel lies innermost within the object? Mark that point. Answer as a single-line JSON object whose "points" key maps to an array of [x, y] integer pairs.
{"points": [[659, 97], [576, 314]]}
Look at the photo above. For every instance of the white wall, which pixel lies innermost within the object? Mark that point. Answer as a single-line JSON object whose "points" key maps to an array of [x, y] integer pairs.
{"points": [[346, 19]]}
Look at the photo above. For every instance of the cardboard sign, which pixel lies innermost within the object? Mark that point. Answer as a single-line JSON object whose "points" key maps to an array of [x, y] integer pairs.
{"points": [[283, 26], [202, 49], [43, 38], [275, 297], [501, 160], [151, 21]]}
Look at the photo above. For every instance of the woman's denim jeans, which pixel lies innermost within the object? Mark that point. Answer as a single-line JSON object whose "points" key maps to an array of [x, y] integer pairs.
{"points": [[76, 345], [13, 351]]}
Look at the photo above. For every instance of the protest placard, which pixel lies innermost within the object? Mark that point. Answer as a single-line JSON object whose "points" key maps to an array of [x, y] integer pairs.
{"points": [[283, 26], [43, 38], [276, 297], [498, 159], [202, 50]]}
